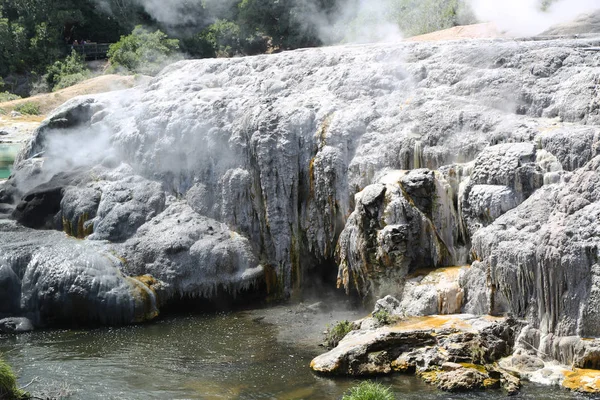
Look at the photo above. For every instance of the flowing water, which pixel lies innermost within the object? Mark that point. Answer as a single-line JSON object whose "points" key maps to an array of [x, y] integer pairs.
{"points": [[8, 152], [221, 356]]}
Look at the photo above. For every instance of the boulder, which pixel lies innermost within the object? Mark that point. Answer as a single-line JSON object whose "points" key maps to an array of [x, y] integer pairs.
{"points": [[389, 235], [194, 256], [432, 292], [454, 352], [15, 325], [461, 380]]}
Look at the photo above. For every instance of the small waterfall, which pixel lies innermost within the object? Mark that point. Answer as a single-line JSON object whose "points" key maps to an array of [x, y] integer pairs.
{"points": [[539, 142], [552, 168], [463, 175], [146, 296], [445, 215], [418, 155]]}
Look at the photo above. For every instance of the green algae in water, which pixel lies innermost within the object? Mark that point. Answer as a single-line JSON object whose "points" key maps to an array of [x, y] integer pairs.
{"points": [[8, 153]]}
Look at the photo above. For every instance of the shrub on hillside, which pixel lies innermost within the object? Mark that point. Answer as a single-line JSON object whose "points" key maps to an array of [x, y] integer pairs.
{"points": [[383, 317], [7, 96], [67, 72], [28, 108], [143, 52]]}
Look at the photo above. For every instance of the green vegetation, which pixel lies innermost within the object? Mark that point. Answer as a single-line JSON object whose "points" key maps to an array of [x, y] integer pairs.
{"points": [[369, 391], [67, 72], [416, 17], [223, 39], [7, 96], [8, 384], [143, 51], [383, 317], [337, 332], [28, 108]]}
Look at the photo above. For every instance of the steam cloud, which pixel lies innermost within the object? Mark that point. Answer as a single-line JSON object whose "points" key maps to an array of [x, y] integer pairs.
{"points": [[360, 21], [356, 21], [525, 17]]}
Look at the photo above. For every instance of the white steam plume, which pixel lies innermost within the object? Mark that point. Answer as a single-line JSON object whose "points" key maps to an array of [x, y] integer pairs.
{"points": [[525, 17], [360, 21]]}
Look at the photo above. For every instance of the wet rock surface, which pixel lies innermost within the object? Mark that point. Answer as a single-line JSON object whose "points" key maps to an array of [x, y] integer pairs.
{"points": [[15, 325], [374, 160], [455, 353]]}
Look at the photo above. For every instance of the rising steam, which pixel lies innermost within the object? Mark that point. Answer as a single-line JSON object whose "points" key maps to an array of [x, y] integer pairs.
{"points": [[526, 17]]}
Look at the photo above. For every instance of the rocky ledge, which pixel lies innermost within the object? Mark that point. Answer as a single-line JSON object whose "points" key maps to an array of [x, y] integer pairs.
{"points": [[459, 352], [455, 352]]}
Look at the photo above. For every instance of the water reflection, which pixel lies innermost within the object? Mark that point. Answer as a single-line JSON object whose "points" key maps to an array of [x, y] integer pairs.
{"points": [[8, 152], [227, 356]]}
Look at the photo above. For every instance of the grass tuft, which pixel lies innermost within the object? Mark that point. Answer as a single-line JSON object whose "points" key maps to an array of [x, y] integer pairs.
{"points": [[8, 384], [337, 332], [368, 390], [383, 317]]}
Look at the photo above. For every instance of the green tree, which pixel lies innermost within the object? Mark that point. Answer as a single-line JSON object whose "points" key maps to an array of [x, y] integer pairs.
{"points": [[416, 17], [67, 72], [224, 37], [143, 51], [289, 24]]}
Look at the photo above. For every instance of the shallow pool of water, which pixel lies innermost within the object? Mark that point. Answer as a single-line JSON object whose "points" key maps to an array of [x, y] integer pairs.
{"points": [[8, 152], [225, 356]]}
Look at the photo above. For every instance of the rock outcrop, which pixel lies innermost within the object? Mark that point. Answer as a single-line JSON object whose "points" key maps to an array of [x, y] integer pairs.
{"points": [[404, 223], [455, 353], [376, 160]]}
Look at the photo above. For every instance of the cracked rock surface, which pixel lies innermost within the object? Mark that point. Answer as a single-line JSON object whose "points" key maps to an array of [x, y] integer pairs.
{"points": [[377, 159]]}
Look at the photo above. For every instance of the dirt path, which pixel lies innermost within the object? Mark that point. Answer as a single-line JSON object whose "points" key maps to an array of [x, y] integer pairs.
{"points": [[476, 31], [49, 101]]}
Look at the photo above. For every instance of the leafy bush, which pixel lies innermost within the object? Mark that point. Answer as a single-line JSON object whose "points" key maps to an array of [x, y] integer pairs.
{"points": [[143, 52], [224, 37], [70, 80], [67, 72], [369, 391], [8, 384], [7, 96], [28, 108], [336, 333], [383, 317]]}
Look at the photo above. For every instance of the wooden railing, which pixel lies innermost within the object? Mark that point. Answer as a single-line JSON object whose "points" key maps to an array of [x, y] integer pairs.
{"points": [[92, 51]]}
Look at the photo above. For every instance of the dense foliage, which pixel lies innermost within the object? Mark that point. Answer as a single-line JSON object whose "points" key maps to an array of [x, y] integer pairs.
{"points": [[67, 72], [416, 17], [143, 51]]}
